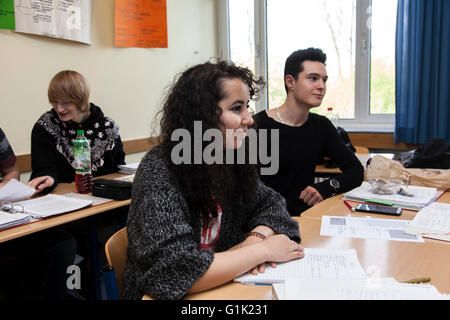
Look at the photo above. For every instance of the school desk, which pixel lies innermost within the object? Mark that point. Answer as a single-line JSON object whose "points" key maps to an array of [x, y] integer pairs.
{"points": [[89, 213], [383, 258]]}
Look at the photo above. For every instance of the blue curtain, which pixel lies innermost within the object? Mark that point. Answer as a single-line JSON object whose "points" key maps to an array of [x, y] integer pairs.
{"points": [[422, 71]]}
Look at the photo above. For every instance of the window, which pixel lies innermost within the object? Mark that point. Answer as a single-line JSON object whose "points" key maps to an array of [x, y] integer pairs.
{"points": [[358, 37], [382, 67], [242, 48]]}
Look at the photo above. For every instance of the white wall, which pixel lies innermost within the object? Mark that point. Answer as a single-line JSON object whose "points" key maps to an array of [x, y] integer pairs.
{"points": [[128, 83]]}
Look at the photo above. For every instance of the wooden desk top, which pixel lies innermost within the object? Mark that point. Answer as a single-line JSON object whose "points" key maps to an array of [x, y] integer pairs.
{"points": [[335, 206], [43, 224], [382, 258]]}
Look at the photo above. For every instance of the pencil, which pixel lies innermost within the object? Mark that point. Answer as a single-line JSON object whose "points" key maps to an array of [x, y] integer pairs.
{"points": [[417, 280], [348, 205]]}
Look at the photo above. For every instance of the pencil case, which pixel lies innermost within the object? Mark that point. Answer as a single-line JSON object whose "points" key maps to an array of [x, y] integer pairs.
{"points": [[112, 189]]}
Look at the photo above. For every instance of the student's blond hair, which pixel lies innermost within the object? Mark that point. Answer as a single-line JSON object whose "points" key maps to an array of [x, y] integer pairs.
{"points": [[69, 86]]}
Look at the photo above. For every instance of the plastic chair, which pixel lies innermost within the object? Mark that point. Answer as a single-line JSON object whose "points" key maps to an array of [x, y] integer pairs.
{"points": [[116, 254]]}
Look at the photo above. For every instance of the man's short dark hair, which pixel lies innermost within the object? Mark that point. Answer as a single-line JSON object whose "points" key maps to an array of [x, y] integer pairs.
{"points": [[294, 63]]}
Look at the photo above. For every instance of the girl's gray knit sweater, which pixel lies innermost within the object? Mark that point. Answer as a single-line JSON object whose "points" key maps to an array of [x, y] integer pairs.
{"points": [[164, 258]]}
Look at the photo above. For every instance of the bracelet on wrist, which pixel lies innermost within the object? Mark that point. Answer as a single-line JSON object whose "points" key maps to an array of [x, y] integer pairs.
{"points": [[255, 234]]}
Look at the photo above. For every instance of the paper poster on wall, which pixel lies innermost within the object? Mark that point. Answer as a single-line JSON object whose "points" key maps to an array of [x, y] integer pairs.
{"points": [[64, 19], [7, 14], [141, 23]]}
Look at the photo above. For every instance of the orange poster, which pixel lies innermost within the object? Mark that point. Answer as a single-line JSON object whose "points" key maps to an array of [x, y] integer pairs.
{"points": [[141, 23]]}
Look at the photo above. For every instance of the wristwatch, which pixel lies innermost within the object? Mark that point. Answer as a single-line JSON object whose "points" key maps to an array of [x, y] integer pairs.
{"points": [[335, 185]]}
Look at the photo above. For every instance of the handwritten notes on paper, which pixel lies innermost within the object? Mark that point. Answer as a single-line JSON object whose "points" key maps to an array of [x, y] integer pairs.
{"points": [[360, 289], [64, 19], [432, 222], [325, 263], [141, 23]]}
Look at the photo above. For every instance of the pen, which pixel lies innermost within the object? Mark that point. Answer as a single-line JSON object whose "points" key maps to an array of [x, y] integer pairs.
{"points": [[379, 202], [348, 205], [417, 280]]}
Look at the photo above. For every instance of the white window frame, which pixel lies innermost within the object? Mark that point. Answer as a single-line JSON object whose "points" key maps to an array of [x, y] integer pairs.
{"points": [[363, 121]]}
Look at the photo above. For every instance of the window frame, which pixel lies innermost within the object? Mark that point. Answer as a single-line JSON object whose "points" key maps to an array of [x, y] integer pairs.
{"points": [[363, 121]]}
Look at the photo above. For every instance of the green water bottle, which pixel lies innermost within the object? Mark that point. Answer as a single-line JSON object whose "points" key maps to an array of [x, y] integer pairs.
{"points": [[82, 159]]}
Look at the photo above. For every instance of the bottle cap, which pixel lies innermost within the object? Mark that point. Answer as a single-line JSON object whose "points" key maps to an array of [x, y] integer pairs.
{"points": [[80, 132]]}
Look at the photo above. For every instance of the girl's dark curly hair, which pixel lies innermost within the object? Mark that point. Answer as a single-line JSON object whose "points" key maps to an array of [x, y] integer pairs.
{"points": [[195, 96]]}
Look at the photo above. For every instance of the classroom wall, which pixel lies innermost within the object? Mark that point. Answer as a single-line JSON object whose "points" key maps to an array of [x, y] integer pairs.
{"points": [[128, 83]]}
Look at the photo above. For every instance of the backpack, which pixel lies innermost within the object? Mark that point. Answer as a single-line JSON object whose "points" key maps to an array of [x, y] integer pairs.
{"points": [[433, 154]]}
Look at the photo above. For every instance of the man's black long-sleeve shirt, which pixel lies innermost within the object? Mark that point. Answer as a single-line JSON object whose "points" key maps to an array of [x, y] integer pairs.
{"points": [[300, 150]]}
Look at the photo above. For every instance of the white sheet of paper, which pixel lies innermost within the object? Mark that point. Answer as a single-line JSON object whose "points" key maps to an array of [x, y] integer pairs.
{"points": [[365, 289], [95, 200], [326, 263], [15, 190], [52, 204], [432, 221], [367, 228], [64, 19]]}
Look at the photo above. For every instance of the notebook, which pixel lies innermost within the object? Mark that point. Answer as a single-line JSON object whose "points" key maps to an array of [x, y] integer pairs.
{"points": [[421, 196], [325, 263], [46, 206], [9, 220]]}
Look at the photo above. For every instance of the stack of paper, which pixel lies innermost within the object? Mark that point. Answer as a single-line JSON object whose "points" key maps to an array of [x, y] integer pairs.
{"points": [[318, 263], [128, 168], [51, 204], [128, 178], [432, 222], [95, 200], [421, 196], [9, 220], [359, 289]]}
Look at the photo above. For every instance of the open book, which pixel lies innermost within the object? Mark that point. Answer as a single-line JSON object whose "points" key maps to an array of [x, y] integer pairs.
{"points": [[432, 221], [317, 263], [419, 196], [16, 213]]}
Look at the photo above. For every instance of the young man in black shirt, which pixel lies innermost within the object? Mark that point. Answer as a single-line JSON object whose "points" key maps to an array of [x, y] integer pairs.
{"points": [[305, 138]]}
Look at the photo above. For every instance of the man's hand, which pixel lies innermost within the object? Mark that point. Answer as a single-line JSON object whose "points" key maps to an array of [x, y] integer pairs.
{"points": [[40, 183], [310, 196]]}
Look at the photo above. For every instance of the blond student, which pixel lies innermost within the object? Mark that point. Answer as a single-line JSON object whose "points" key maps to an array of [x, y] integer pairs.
{"points": [[51, 139]]}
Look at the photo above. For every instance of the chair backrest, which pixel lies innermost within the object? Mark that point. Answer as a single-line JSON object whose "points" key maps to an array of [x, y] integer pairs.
{"points": [[116, 255]]}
